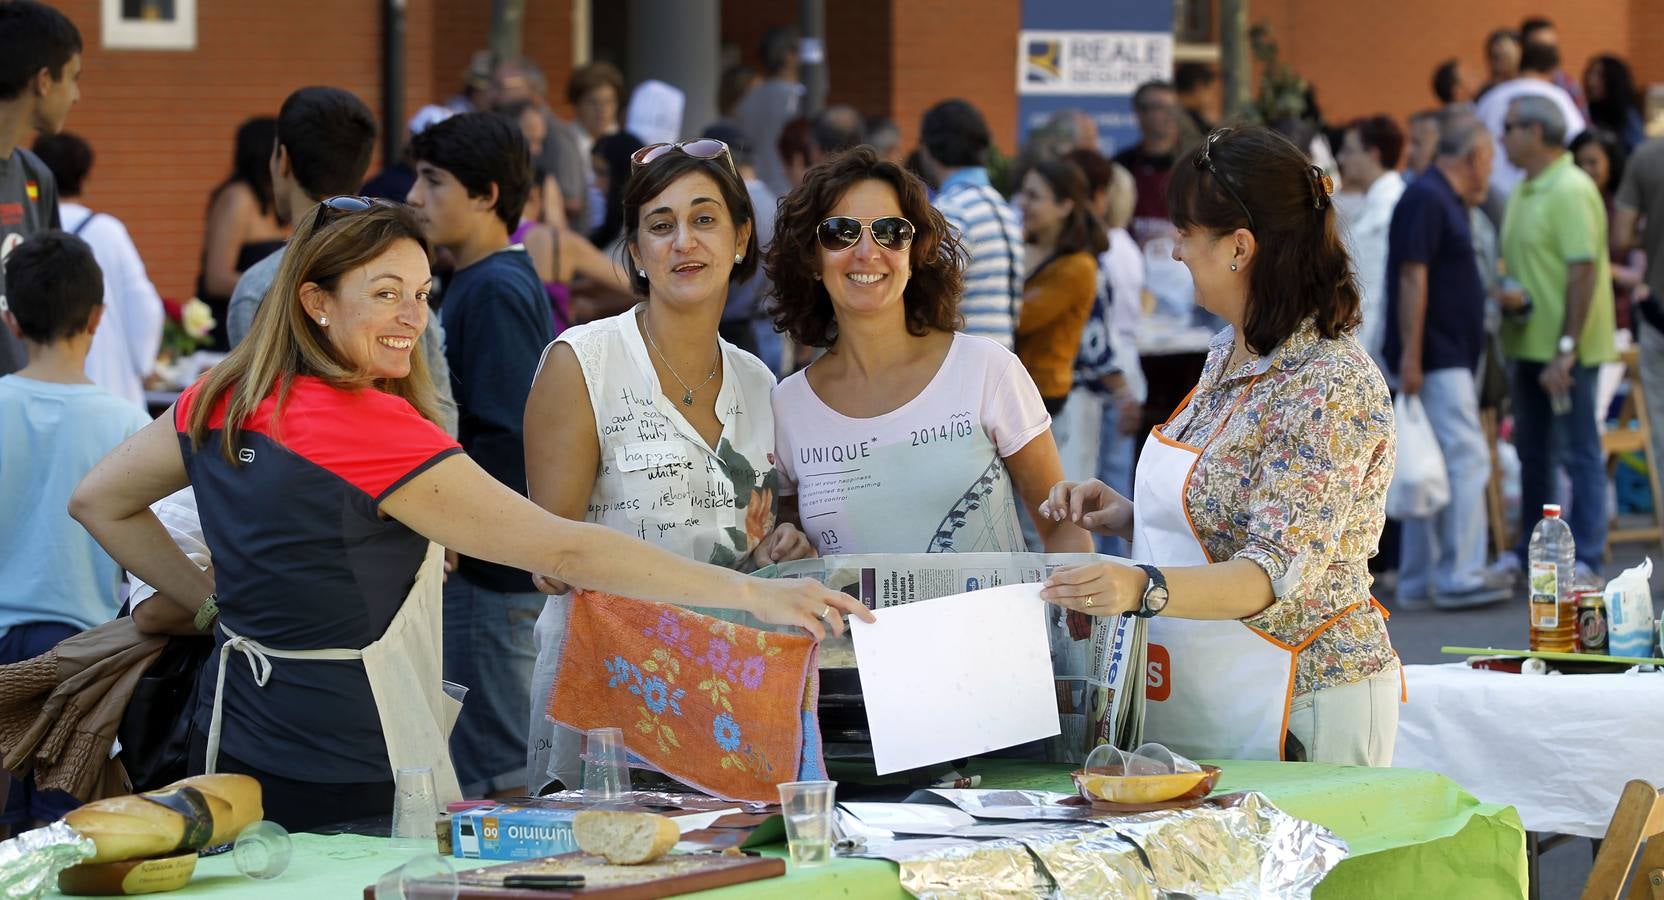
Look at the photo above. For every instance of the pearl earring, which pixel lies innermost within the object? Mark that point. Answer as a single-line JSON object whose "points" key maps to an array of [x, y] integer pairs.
{"points": [[324, 321], [1233, 267], [739, 258], [642, 272]]}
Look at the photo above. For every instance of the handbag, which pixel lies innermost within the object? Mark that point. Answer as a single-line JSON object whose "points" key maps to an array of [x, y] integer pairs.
{"points": [[156, 729]]}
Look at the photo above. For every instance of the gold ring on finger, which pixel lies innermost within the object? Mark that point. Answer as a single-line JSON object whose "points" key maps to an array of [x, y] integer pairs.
{"points": [[1088, 600]]}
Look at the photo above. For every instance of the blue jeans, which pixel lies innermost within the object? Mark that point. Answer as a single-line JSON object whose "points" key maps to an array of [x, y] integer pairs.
{"points": [[1114, 468], [26, 804], [1447, 550], [1546, 443], [489, 649]]}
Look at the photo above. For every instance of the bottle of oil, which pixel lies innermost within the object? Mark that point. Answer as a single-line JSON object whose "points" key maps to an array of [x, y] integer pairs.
{"points": [[1553, 557]]}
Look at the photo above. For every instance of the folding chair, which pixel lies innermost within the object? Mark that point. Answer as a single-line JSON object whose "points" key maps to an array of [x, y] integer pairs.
{"points": [[1638, 816], [1624, 439]]}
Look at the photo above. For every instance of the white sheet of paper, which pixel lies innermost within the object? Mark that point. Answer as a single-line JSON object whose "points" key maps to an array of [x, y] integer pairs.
{"points": [[904, 817], [956, 676], [696, 821]]}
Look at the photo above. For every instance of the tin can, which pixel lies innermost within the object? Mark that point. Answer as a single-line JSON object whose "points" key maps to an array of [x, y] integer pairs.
{"points": [[1591, 622]]}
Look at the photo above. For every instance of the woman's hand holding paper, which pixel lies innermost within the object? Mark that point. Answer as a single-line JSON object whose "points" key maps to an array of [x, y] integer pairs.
{"points": [[1096, 589], [807, 604]]}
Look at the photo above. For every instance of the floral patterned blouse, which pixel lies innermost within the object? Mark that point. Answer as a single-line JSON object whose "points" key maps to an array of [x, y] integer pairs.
{"points": [[1296, 481]]}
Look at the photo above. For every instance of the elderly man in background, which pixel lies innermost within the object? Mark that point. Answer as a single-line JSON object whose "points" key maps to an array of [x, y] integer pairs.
{"points": [[1435, 335], [1538, 63], [1554, 243]]}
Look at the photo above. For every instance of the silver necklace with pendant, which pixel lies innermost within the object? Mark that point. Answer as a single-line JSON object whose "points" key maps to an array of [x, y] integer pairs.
{"points": [[687, 392]]}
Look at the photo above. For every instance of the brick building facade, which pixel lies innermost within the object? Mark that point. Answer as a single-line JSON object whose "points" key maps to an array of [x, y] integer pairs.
{"points": [[162, 122]]}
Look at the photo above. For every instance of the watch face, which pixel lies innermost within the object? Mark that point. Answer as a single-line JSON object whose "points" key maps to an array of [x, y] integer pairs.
{"points": [[1156, 599]]}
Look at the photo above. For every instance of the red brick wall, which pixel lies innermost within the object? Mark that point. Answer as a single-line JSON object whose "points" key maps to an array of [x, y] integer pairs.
{"points": [[899, 57], [744, 22], [162, 122], [860, 56], [956, 48], [461, 27], [1364, 60]]}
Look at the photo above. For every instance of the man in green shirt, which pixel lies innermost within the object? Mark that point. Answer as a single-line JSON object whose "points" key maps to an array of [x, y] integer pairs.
{"points": [[1554, 245]]}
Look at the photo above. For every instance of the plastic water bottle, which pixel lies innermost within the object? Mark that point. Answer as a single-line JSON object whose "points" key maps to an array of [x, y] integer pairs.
{"points": [[1553, 607]]}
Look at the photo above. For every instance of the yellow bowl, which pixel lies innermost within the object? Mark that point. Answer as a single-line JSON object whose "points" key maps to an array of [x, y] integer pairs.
{"points": [[1107, 783]]}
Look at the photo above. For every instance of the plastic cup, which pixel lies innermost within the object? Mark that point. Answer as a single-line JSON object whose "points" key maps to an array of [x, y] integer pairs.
{"points": [[606, 767], [415, 809], [262, 850], [426, 877], [807, 806]]}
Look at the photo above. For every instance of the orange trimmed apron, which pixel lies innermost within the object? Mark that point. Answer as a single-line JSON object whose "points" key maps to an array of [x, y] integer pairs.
{"points": [[1214, 689]]}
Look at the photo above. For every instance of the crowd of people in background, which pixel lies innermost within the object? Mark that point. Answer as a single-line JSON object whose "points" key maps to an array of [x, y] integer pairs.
{"points": [[1499, 240]]}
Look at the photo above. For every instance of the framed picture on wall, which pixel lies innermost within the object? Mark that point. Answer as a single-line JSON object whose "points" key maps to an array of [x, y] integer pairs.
{"points": [[149, 24]]}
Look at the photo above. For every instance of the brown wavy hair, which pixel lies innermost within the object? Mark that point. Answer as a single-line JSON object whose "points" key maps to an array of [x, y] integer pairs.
{"points": [[1300, 268], [798, 301]]}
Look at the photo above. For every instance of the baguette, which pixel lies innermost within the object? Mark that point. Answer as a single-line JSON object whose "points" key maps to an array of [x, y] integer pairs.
{"points": [[625, 838], [128, 877], [189, 814]]}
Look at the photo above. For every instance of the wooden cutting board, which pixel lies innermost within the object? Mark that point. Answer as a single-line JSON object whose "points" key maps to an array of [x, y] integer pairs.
{"points": [[666, 877]]}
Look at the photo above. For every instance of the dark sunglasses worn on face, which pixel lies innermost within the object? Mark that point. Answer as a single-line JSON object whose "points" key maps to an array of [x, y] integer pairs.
{"points": [[702, 148], [1204, 160], [839, 233]]}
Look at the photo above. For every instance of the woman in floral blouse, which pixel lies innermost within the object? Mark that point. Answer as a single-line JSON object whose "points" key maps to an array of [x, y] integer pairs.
{"points": [[1261, 500]]}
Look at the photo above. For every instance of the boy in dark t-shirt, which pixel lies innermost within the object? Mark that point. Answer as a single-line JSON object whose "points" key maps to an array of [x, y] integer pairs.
{"points": [[40, 70], [473, 172]]}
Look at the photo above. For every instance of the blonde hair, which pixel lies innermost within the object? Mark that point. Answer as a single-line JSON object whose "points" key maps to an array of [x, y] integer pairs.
{"points": [[284, 342]]}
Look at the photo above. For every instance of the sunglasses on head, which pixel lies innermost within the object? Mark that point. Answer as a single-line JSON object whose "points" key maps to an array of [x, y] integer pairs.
{"points": [[702, 148], [839, 233], [1204, 160], [337, 207]]}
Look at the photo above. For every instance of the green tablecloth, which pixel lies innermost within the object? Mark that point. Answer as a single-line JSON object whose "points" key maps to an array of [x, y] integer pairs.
{"points": [[1411, 833]]}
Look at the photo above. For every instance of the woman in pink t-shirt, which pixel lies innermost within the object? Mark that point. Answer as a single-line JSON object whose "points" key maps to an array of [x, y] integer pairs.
{"points": [[904, 437]]}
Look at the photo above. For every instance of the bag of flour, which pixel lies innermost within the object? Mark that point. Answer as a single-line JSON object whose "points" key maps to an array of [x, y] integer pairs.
{"points": [[1629, 612]]}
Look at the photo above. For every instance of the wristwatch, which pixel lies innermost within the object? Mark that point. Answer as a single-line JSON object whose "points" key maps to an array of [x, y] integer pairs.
{"points": [[1155, 594], [1567, 344]]}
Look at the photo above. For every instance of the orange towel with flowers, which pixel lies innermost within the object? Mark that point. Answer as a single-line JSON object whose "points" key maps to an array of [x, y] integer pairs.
{"points": [[724, 708]]}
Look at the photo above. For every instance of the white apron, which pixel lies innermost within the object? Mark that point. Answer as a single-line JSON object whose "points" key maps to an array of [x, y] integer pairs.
{"points": [[1214, 689], [416, 706]]}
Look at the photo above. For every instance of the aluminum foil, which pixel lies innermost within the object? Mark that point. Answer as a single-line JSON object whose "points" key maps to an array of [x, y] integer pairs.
{"points": [[30, 862], [943, 867], [1244, 847], [1092, 861], [1234, 846]]}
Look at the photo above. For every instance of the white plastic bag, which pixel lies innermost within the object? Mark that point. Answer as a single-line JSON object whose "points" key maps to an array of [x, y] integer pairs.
{"points": [[1420, 486]]}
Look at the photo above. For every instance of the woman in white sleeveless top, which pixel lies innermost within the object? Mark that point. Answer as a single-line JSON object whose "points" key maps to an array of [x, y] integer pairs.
{"points": [[649, 423]]}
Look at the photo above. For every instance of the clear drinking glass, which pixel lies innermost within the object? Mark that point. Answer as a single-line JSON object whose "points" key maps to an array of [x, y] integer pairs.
{"points": [[807, 806], [415, 809], [606, 766], [262, 850], [425, 877]]}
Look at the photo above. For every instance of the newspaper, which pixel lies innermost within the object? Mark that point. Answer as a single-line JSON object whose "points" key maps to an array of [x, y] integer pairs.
{"points": [[1100, 699]]}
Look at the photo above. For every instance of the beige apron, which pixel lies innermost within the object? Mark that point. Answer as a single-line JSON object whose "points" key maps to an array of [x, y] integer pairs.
{"points": [[1214, 689], [404, 666]]}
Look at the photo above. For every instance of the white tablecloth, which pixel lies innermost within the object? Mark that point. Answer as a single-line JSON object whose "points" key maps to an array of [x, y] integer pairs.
{"points": [[1558, 747]]}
